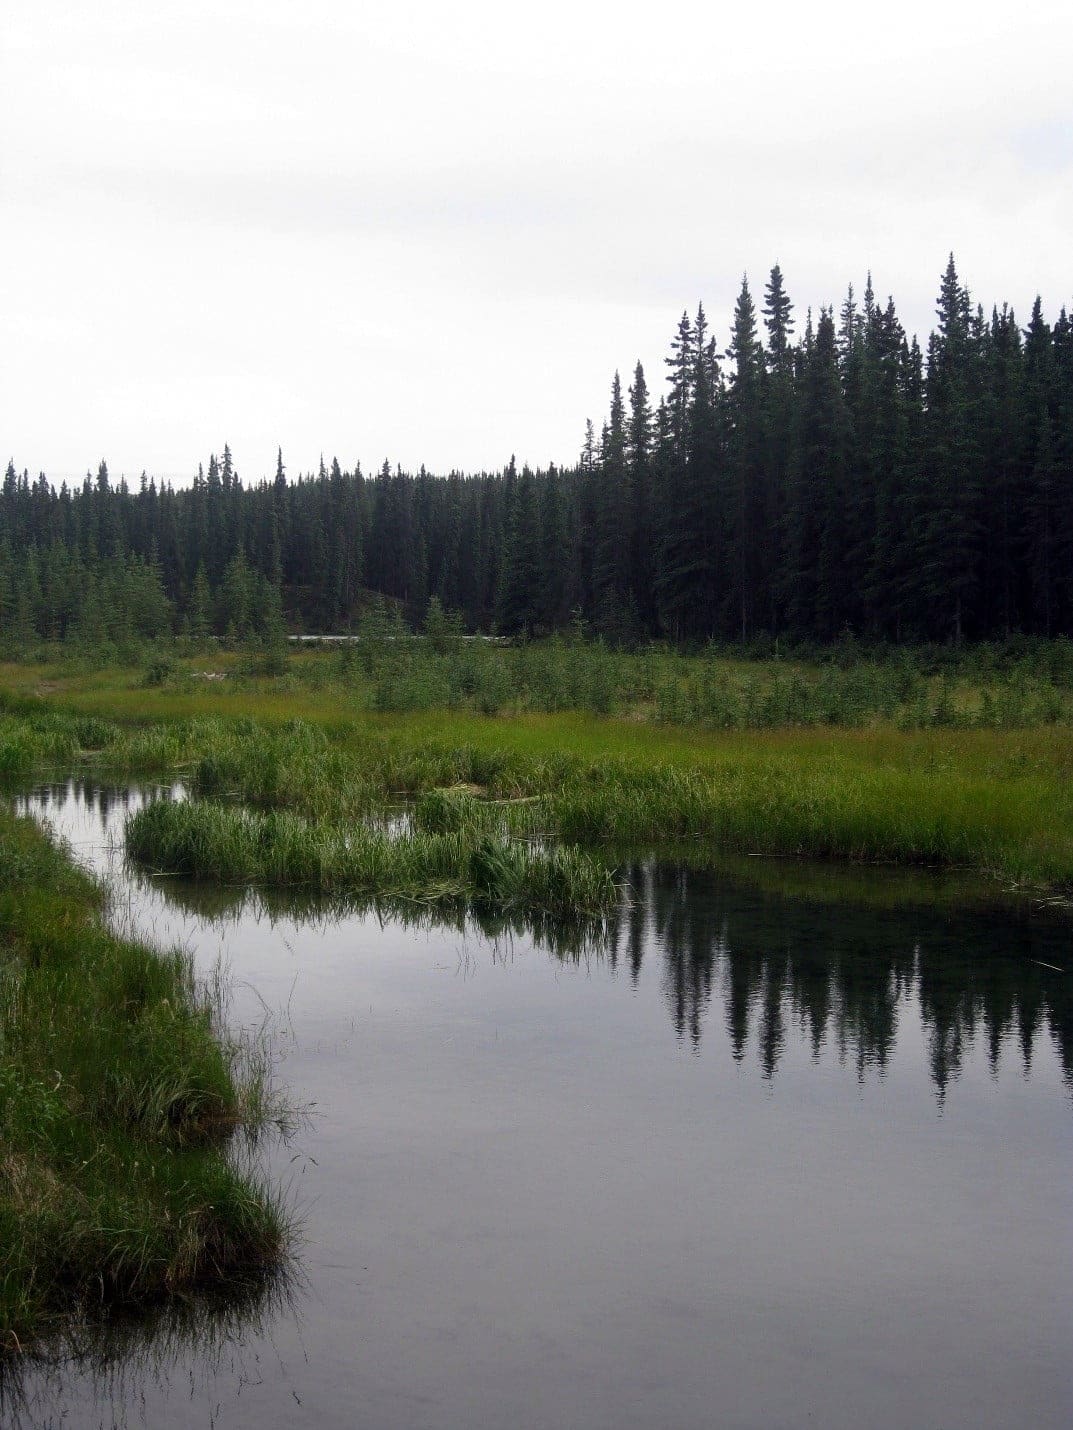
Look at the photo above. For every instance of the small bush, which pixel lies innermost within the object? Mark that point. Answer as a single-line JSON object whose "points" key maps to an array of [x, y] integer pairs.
{"points": [[161, 670]]}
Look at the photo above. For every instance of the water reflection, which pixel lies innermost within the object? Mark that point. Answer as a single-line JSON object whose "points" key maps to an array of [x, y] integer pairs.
{"points": [[832, 955], [122, 1358], [836, 972], [833, 971], [808, 1119]]}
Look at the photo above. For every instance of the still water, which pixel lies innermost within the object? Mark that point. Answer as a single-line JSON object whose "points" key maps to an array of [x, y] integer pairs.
{"points": [[771, 1153]]}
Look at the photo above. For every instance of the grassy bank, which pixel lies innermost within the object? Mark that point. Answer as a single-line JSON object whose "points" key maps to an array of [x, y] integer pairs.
{"points": [[979, 798], [117, 1097]]}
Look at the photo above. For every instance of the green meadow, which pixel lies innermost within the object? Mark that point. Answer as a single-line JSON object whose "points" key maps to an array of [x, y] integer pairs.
{"points": [[956, 760]]}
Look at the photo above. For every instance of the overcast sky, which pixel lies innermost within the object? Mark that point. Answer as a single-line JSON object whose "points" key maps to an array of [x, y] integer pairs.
{"points": [[431, 231]]}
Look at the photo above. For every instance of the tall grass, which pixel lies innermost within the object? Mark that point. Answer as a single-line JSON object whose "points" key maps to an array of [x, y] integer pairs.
{"points": [[117, 1095], [1019, 684], [990, 799], [837, 810], [29, 741], [201, 839]]}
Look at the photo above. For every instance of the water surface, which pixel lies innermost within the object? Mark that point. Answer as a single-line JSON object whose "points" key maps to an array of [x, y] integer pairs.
{"points": [[751, 1160]]}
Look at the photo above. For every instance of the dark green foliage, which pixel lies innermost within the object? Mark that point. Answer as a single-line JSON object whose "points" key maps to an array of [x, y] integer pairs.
{"points": [[613, 544], [750, 505], [817, 591], [840, 482], [691, 483], [521, 594]]}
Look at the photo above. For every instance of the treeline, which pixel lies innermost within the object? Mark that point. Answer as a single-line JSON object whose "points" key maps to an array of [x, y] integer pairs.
{"points": [[839, 481]]}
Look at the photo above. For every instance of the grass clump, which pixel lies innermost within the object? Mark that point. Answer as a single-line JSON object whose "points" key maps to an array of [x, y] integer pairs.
{"points": [[446, 811], [454, 811], [204, 840], [558, 880], [117, 1096]]}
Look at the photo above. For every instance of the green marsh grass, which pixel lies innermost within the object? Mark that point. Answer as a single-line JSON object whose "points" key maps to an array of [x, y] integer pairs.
{"points": [[953, 793], [1014, 685], [118, 1094], [205, 840]]}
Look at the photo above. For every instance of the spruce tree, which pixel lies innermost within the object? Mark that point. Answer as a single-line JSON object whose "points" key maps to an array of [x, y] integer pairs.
{"points": [[951, 531], [693, 480], [520, 595], [199, 607], [748, 507], [614, 535], [818, 597], [641, 479], [1044, 533], [556, 588], [778, 452]]}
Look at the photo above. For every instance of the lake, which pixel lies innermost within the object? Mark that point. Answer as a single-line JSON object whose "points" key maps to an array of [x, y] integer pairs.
{"points": [[775, 1150]]}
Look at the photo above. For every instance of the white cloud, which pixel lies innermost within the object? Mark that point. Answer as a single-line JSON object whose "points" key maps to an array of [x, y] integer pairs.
{"points": [[431, 232]]}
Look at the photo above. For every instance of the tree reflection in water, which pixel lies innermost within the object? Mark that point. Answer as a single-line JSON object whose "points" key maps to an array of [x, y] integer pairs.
{"points": [[785, 960], [830, 950], [837, 971], [840, 971]]}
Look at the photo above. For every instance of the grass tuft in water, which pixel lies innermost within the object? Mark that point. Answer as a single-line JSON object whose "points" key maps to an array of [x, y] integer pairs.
{"points": [[204, 840]]}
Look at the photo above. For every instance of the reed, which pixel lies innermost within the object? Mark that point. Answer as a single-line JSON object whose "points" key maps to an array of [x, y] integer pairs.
{"points": [[205, 840]]}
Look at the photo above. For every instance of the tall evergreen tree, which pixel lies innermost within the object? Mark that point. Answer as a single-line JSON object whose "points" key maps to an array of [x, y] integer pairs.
{"points": [[749, 506], [523, 567], [818, 598], [639, 465], [614, 534], [951, 532]]}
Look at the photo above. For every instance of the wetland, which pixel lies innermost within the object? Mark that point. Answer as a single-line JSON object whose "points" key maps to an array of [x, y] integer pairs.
{"points": [[778, 1144]]}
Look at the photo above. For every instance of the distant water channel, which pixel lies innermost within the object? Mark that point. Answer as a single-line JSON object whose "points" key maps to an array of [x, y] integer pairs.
{"points": [[758, 1159]]}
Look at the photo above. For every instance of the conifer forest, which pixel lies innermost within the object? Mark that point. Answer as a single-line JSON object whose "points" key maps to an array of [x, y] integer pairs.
{"points": [[803, 477]]}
